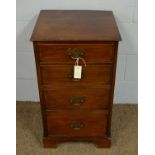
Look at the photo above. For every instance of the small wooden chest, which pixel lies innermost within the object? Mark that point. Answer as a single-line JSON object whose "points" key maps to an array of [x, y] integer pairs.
{"points": [[76, 109]]}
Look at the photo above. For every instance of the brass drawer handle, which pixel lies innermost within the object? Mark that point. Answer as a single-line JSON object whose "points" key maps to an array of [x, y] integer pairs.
{"points": [[76, 101], [76, 52], [77, 125]]}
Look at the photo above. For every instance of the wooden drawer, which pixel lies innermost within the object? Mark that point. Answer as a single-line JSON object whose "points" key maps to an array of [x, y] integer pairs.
{"points": [[91, 53], [61, 75], [77, 123], [77, 98]]}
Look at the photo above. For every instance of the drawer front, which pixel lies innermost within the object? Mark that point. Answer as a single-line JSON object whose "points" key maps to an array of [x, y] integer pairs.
{"points": [[77, 98], [77, 123], [62, 75], [91, 53]]}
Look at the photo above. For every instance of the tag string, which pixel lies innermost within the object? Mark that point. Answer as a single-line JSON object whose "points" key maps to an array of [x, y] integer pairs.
{"points": [[77, 61]]}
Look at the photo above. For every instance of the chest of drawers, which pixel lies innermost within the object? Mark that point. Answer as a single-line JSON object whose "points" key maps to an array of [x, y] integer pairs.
{"points": [[76, 109]]}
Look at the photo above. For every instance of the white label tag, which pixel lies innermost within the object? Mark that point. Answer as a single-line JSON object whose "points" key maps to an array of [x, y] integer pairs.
{"points": [[77, 72]]}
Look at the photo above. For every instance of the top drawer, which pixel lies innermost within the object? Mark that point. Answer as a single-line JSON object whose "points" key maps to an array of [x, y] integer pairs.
{"points": [[63, 53]]}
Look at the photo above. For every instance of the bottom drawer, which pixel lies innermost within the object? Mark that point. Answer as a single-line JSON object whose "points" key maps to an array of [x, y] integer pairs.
{"points": [[77, 123]]}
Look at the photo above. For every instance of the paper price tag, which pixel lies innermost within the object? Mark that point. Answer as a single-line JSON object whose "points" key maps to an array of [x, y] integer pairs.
{"points": [[77, 72]]}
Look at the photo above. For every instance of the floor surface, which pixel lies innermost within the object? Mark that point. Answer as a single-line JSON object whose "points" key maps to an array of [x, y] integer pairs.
{"points": [[29, 133]]}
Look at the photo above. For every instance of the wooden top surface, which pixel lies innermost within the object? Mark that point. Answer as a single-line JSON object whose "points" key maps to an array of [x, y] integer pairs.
{"points": [[77, 25]]}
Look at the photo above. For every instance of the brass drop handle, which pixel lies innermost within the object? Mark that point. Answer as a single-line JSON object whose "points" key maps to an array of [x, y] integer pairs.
{"points": [[77, 125], [76, 101], [76, 52]]}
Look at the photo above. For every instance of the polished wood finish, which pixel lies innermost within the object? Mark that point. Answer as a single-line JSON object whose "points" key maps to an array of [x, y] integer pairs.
{"points": [[63, 75], [53, 25], [94, 53], [76, 110], [94, 98], [94, 123]]}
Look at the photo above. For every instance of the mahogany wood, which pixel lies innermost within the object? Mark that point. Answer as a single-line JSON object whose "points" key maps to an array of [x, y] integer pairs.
{"points": [[75, 25], [94, 98], [96, 32], [51, 53], [94, 123], [63, 75]]}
